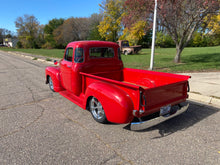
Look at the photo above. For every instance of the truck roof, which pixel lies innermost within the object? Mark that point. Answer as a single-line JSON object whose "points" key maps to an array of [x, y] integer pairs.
{"points": [[93, 44]]}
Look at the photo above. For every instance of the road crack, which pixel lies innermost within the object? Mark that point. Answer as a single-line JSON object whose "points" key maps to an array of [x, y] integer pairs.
{"points": [[28, 103], [27, 125]]}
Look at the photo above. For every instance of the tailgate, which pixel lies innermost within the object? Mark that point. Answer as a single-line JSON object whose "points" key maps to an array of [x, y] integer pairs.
{"points": [[158, 97]]}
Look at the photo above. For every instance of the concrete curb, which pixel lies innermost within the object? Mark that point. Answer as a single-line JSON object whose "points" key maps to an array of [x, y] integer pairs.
{"points": [[31, 57], [192, 96], [204, 99]]}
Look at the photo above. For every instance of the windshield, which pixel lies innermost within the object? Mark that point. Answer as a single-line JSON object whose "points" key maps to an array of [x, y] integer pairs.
{"points": [[125, 44]]}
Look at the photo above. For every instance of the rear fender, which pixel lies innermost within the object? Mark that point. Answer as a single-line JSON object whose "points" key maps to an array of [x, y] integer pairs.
{"points": [[54, 73], [116, 103]]}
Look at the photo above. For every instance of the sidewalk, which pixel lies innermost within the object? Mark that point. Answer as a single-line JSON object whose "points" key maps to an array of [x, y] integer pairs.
{"points": [[204, 86]]}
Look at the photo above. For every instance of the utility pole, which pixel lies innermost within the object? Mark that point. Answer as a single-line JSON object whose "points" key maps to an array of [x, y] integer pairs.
{"points": [[153, 37]]}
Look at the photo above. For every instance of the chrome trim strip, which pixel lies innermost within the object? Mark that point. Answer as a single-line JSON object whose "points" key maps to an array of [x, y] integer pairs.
{"points": [[149, 123]]}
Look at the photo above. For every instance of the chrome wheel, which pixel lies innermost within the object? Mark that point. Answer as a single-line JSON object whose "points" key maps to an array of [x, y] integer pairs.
{"points": [[97, 110], [51, 84]]}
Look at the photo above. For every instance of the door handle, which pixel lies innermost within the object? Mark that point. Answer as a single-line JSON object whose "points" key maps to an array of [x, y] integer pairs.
{"points": [[69, 66]]}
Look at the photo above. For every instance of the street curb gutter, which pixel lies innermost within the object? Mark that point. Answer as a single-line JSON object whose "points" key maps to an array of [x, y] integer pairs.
{"points": [[192, 96]]}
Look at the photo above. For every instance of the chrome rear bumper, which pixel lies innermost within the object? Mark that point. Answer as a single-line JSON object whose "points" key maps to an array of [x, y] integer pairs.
{"points": [[149, 123]]}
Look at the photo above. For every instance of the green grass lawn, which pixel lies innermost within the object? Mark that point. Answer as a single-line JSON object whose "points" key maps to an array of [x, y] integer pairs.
{"points": [[57, 53], [192, 59]]}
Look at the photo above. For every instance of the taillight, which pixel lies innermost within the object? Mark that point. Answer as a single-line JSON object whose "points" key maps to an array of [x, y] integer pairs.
{"points": [[143, 101], [188, 87]]}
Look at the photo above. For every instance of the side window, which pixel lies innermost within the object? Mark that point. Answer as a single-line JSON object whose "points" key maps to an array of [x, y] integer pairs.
{"points": [[101, 52], [69, 54], [79, 55]]}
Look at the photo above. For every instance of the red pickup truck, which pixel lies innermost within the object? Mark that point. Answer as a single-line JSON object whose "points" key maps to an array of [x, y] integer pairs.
{"points": [[91, 74]]}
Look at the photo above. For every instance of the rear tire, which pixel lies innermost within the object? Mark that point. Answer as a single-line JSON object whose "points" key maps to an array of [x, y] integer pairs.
{"points": [[97, 111]]}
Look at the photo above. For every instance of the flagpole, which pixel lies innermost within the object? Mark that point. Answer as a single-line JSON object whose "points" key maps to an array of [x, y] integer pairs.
{"points": [[153, 37]]}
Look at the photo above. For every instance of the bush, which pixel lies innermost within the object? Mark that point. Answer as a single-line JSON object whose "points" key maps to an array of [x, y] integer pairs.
{"points": [[19, 44], [47, 45], [164, 40], [203, 40], [215, 40]]}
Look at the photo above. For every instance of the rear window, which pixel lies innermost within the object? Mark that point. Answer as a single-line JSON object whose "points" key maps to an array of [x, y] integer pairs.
{"points": [[101, 53]]}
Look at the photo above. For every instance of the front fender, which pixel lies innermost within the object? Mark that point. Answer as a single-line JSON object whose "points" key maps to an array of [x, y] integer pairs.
{"points": [[116, 103], [54, 73]]}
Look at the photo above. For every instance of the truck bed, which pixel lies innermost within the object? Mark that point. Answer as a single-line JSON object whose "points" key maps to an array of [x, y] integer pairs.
{"points": [[159, 89]]}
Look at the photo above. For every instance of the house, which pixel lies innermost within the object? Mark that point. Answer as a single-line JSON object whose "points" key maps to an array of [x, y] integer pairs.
{"points": [[10, 42]]}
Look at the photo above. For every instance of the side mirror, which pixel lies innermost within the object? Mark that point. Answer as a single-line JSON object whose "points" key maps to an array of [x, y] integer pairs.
{"points": [[55, 62]]}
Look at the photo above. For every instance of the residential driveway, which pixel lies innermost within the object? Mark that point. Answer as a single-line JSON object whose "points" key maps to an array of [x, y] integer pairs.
{"points": [[41, 127]]}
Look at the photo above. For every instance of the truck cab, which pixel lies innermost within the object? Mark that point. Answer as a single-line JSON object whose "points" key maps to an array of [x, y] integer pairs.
{"points": [[88, 57]]}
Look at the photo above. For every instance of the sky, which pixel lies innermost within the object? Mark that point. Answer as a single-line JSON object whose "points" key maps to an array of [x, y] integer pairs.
{"points": [[44, 10]]}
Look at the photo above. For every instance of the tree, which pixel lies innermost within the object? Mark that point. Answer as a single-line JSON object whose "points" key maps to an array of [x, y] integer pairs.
{"points": [[94, 20], [27, 29], [40, 40], [110, 27], [135, 33], [181, 18], [48, 31], [73, 29], [5, 33], [213, 25]]}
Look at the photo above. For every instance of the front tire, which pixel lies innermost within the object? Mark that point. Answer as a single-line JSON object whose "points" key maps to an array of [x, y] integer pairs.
{"points": [[126, 52], [97, 111], [51, 84]]}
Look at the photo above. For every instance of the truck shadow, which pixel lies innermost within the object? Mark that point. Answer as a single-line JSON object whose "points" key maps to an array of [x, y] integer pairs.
{"points": [[196, 113]]}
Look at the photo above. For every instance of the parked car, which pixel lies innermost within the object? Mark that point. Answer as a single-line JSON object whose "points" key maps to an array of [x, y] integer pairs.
{"points": [[1, 45]]}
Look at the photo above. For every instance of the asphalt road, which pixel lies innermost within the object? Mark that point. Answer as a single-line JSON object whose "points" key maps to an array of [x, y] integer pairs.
{"points": [[41, 127]]}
